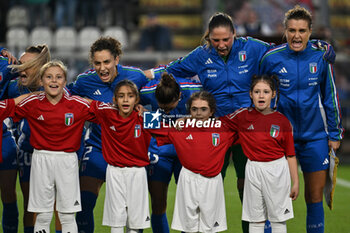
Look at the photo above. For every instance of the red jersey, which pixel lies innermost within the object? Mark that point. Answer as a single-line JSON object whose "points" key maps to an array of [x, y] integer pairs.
{"points": [[7, 109], [54, 127], [263, 137], [124, 141], [200, 150]]}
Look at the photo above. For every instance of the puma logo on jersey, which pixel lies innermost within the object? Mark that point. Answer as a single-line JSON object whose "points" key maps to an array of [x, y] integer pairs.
{"points": [[326, 161], [209, 61], [189, 137], [251, 127], [97, 92], [40, 118], [283, 71], [112, 128]]}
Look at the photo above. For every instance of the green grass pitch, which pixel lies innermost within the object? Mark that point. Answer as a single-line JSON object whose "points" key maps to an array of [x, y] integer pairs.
{"points": [[336, 221]]}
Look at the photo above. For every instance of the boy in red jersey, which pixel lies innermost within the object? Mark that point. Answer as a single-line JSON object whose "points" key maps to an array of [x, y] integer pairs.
{"points": [[56, 121], [267, 140], [201, 146], [124, 147]]}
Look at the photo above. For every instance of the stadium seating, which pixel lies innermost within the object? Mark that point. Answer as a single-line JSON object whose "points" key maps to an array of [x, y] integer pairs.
{"points": [[119, 33], [87, 36], [17, 16], [65, 39], [41, 35], [17, 39]]}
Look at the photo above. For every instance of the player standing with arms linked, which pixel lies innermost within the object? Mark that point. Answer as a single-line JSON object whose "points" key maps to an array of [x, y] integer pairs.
{"points": [[56, 121], [224, 65], [8, 167], [168, 96], [266, 137], [99, 84], [309, 100], [28, 68], [200, 199], [124, 145]]}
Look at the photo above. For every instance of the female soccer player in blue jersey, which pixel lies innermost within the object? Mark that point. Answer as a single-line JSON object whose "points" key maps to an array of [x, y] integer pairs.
{"points": [[310, 101], [98, 84]]}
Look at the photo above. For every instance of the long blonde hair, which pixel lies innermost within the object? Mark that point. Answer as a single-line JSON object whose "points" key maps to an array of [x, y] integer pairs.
{"points": [[42, 58]]}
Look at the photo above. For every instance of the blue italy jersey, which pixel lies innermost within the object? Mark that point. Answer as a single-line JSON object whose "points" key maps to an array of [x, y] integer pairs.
{"points": [[89, 85], [308, 96], [147, 94], [228, 81]]}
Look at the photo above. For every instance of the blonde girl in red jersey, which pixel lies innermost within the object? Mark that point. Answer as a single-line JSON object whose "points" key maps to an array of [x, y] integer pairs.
{"points": [[267, 140], [125, 149], [56, 121]]}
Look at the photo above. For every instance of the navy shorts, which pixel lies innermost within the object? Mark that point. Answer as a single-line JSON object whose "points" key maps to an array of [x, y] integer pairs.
{"points": [[312, 155], [24, 164], [161, 168], [93, 164]]}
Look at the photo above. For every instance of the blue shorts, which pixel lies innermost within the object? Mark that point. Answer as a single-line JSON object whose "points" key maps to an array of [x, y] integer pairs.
{"points": [[9, 152], [24, 164], [161, 168], [312, 155], [93, 164]]}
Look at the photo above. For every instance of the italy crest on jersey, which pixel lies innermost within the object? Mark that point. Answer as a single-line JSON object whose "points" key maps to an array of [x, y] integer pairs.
{"points": [[215, 139], [274, 131], [68, 119], [242, 55], [313, 67], [137, 131]]}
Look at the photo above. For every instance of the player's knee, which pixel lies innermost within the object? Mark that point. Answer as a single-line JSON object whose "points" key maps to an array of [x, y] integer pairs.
{"points": [[256, 227], [280, 227], [66, 218], [43, 219]]}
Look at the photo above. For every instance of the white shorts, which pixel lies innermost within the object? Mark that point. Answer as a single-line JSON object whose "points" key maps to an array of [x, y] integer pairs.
{"points": [[54, 176], [266, 191], [199, 203], [126, 201]]}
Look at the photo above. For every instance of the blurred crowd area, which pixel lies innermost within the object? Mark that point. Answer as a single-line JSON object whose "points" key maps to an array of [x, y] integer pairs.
{"points": [[154, 32]]}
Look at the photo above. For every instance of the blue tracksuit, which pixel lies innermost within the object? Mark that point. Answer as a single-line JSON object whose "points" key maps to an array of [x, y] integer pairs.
{"points": [[8, 151], [89, 85], [228, 81], [308, 95]]}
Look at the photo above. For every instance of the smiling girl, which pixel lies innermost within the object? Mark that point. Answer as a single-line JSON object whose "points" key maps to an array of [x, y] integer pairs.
{"points": [[56, 121]]}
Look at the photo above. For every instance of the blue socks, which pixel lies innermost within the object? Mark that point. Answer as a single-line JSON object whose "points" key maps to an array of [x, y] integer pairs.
{"points": [[10, 217], [159, 223], [85, 218], [315, 218], [28, 229], [58, 231], [267, 227]]}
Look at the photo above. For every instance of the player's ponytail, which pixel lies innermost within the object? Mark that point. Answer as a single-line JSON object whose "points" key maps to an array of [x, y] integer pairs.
{"points": [[43, 56], [168, 90]]}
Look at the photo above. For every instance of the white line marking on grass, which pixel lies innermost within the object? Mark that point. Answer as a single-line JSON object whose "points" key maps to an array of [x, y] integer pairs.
{"points": [[343, 182]]}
